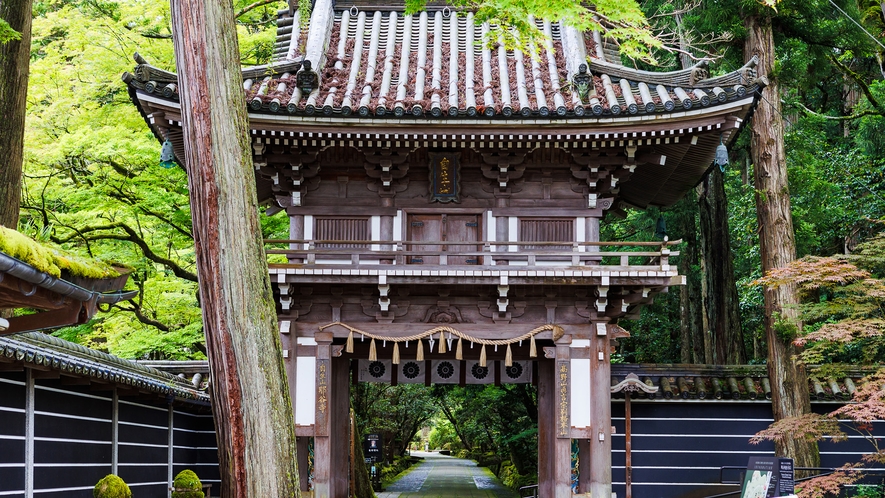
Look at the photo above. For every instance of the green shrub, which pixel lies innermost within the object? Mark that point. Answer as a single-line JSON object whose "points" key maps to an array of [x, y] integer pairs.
{"points": [[868, 491], [399, 465], [111, 486], [511, 478], [187, 485]]}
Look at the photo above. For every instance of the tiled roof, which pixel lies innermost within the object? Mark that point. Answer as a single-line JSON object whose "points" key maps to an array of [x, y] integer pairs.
{"points": [[733, 382], [48, 352], [382, 64]]}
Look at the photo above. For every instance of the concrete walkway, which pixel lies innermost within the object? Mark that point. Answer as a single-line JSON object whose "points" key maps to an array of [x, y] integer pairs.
{"points": [[441, 476]]}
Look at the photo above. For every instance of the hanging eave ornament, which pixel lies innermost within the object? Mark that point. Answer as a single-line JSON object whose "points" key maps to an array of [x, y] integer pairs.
{"points": [[661, 228], [167, 154], [721, 155]]}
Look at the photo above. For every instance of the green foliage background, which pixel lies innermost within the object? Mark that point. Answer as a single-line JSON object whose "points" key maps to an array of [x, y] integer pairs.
{"points": [[92, 180]]}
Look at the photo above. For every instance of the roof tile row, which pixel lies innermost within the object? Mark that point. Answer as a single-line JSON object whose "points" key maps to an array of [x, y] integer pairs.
{"points": [[438, 65]]}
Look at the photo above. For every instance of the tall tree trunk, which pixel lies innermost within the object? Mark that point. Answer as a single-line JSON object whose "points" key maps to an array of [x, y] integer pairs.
{"points": [[722, 302], [360, 482], [777, 246], [692, 317], [692, 309], [15, 56], [250, 397]]}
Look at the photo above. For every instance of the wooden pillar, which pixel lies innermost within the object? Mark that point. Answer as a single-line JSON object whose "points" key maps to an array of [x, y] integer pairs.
{"points": [[502, 233], [303, 452], [289, 344], [290, 362], [591, 228], [386, 231], [554, 428], [340, 436], [296, 232], [600, 441], [331, 433], [322, 449], [583, 466]]}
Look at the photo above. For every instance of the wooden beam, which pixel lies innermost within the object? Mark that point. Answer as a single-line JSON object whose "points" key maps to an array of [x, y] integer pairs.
{"points": [[75, 380], [17, 293], [73, 313], [11, 366], [44, 373]]}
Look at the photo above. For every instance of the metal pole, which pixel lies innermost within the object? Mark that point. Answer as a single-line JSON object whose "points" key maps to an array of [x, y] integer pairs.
{"points": [[628, 469]]}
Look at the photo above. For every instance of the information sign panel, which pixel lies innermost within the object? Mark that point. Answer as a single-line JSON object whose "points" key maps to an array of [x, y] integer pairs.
{"points": [[372, 448], [768, 477]]}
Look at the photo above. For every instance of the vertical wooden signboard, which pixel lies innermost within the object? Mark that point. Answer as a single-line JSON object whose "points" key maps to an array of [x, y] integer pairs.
{"points": [[445, 177], [322, 414], [563, 421]]}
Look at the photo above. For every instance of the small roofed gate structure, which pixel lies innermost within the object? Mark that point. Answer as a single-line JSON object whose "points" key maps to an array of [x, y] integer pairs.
{"points": [[445, 199]]}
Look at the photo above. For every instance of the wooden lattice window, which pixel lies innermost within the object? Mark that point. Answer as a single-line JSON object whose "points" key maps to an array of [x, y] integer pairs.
{"points": [[337, 228], [546, 230]]}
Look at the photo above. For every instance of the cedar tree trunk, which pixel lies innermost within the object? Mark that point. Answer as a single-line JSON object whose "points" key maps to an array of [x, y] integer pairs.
{"points": [[778, 247], [360, 481], [14, 58], [253, 414], [690, 295], [721, 301]]}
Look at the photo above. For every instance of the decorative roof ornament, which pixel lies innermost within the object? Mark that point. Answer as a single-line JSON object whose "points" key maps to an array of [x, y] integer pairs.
{"points": [[748, 72], [581, 82], [721, 155], [167, 154], [307, 79], [632, 384], [698, 73]]}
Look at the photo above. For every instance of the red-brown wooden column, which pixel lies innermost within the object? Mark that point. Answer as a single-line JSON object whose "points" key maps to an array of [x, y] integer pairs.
{"points": [[600, 442], [331, 436], [554, 428]]}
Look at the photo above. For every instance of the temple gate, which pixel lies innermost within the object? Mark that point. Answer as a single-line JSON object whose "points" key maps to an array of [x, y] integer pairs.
{"points": [[445, 199]]}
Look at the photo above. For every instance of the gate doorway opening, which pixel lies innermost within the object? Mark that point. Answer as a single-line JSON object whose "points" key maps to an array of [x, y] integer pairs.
{"points": [[508, 415]]}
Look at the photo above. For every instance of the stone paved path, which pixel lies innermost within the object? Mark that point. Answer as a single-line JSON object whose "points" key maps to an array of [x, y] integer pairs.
{"points": [[441, 476]]}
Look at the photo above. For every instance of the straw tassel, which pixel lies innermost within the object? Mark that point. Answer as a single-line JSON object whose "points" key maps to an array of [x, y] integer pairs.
{"points": [[458, 349], [558, 332], [482, 356], [508, 358], [533, 350], [373, 353], [349, 346], [395, 360], [442, 343], [420, 355]]}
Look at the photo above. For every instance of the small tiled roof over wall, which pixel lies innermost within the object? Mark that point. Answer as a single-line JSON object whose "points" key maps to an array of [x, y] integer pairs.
{"points": [[738, 382], [44, 352]]}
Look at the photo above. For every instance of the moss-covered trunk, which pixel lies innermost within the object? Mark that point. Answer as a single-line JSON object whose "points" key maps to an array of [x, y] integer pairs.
{"points": [[361, 483], [253, 413]]}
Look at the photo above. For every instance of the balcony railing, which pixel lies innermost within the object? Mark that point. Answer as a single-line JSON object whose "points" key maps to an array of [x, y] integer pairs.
{"points": [[637, 256]]}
